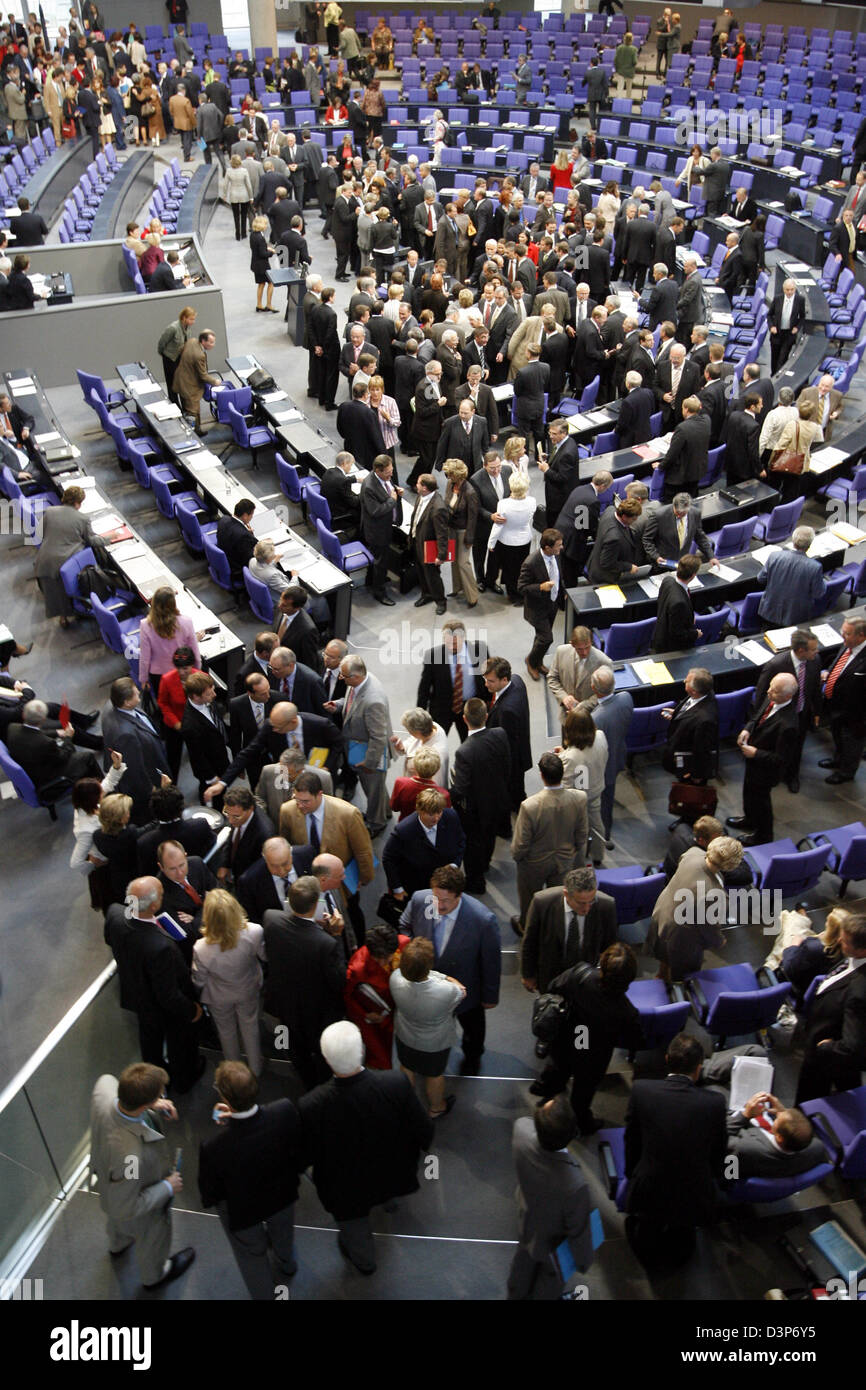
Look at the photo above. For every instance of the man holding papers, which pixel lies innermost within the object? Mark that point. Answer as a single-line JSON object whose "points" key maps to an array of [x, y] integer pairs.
{"points": [[676, 629], [428, 532]]}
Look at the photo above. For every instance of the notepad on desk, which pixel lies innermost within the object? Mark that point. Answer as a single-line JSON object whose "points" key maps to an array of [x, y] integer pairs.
{"points": [[652, 672], [321, 574], [826, 634], [729, 575], [779, 638], [825, 459], [651, 585], [645, 451], [763, 553], [48, 437], [122, 551], [825, 543], [754, 652], [610, 596], [848, 533], [271, 396], [93, 502], [166, 410], [284, 416], [144, 387]]}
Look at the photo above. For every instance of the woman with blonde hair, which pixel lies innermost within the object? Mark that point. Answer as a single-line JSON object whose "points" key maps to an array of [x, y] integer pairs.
{"points": [[260, 259], [510, 539], [461, 502], [388, 414], [238, 193], [560, 171], [797, 436], [584, 754], [115, 846], [226, 967], [426, 765], [425, 1027], [609, 203], [164, 630], [422, 732], [391, 308], [810, 954], [515, 453]]}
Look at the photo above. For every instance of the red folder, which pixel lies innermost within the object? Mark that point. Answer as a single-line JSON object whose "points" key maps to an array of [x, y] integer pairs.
{"points": [[431, 551]]}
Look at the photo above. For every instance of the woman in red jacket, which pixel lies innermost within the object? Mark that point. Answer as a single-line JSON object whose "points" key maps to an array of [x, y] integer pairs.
{"points": [[172, 703], [367, 995]]}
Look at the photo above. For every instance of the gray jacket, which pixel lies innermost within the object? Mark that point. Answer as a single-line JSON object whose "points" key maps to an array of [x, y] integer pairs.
{"points": [[425, 1011], [553, 1200], [369, 721], [209, 122], [127, 1191]]}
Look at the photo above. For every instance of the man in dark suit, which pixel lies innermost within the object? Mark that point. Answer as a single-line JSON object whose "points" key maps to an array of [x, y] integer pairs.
{"points": [[742, 207], [845, 703], [431, 837], [155, 983], [717, 177], [296, 629], [835, 1046], [614, 553], [166, 808], [235, 536], [465, 437], [482, 398], [128, 731], [691, 304], [530, 386], [555, 355], [258, 662], [479, 788], [359, 426], [429, 524], [767, 743], [667, 240], [782, 1144], [802, 661], [577, 523], [661, 301], [248, 830], [324, 349], [465, 936], [731, 270], [564, 926], [30, 228], [380, 513], [283, 212], [676, 380], [561, 468], [635, 355], [91, 114], [541, 587], [509, 710], [264, 886], [451, 675], [185, 880], [675, 628], [633, 421], [638, 247], [306, 976], [553, 1201], [204, 732], [356, 346], [714, 403], [675, 1145], [250, 1170], [671, 531], [344, 229], [589, 350], [692, 749], [741, 434], [787, 312], [756, 385], [45, 750], [491, 484], [285, 727], [593, 146]]}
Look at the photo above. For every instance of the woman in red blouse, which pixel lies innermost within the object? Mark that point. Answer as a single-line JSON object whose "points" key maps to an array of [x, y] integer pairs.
{"points": [[426, 763], [367, 995], [172, 703]]}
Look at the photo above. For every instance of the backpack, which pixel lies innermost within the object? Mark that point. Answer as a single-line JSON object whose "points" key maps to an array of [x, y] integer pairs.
{"points": [[548, 1021], [93, 580]]}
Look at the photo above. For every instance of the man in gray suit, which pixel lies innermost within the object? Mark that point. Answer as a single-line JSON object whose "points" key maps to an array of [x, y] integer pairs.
{"points": [[564, 926], [612, 714], [552, 1200], [127, 730], [670, 531], [367, 721], [571, 671], [663, 205], [691, 304]]}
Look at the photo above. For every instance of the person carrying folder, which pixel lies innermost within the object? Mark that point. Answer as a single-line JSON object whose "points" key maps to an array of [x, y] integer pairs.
{"points": [[428, 532]]}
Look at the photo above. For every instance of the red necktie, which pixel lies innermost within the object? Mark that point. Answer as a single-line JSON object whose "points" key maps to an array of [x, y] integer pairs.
{"points": [[767, 712], [839, 666], [487, 312], [190, 891], [764, 1123], [430, 218], [457, 690]]}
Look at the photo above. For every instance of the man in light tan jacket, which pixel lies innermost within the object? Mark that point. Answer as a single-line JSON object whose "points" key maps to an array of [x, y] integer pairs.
{"points": [[549, 835], [338, 826]]}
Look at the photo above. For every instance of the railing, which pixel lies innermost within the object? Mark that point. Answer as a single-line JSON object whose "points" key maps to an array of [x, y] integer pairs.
{"points": [[45, 1115]]}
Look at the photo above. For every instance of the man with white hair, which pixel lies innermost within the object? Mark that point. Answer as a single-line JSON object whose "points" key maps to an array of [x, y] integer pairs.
{"points": [[767, 743], [793, 582], [364, 1132], [691, 304], [45, 749]]}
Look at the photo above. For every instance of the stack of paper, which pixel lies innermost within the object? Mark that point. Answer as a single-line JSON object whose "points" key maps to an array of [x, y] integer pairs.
{"points": [[779, 638], [825, 543], [143, 386], [763, 553], [826, 634], [826, 458], [651, 585], [166, 410], [848, 533], [749, 1076], [652, 672], [610, 596], [729, 575], [283, 416], [47, 438], [93, 502], [273, 396], [754, 652]]}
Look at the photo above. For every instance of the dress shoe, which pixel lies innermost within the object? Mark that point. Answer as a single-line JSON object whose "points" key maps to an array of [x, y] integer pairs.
{"points": [[750, 839], [362, 1269], [517, 601], [332, 406], [738, 822], [590, 1124], [536, 675], [836, 778], [794, 785], [538, 1088], [470, 1066], [482, 587], [450, 1102], [474, 604], [90, 718], [440, 608], [828, 762], [516, 926], [386, 599], [495, 589], [425, 598], [260, 311], [342, 278], [177, 1265], [22, 650]]}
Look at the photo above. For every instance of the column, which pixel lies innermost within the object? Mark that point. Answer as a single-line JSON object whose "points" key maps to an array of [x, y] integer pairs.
{"points": [[263, 25]]}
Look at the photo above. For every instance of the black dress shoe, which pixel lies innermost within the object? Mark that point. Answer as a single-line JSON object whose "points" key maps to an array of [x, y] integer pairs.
{"points": [[178, 1265], [828, 762], [538, 1088], [751, 839], [386, 599], [495, 589], [836, 778], [794, 785], [470, 1066], [332, 406], [440, 608], [738, 822], [425, 598], [450, 1102], [90, 718], [482, 587], [362, 1269]]}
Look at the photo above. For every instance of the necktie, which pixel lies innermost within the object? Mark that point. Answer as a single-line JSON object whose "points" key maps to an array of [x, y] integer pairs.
{"points": [[7, 427], [314, 833], [481, 360], [457, 689], [350, 698], [330, 904], [767, 712], [259, 713], [838, 667], [430, 218], [553, 574], [801, 682], [487, 312], [763, 1123], [681, 531], [572, 937], [284, 685], [438, 935], [143, 719], [191, 893], [497, 483], [235, 841]]}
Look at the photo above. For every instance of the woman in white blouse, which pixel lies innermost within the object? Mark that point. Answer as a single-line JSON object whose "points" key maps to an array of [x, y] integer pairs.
{"points": [[391, 307], [510, 539], [609, 203], [226, 967], [86, 796], [422, 732], [584, 757], [693, 169]]}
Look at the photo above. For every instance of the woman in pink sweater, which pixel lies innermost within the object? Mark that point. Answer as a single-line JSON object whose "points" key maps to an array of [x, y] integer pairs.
{"points": [[162, 632]]}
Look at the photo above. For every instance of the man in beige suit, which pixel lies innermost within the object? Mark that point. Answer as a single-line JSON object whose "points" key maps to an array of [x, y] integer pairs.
{"points": [[54, 95], [571, 671], [529, 331], [330, 825], [690, 912], [276, 783], [549, 836], [828, 403]]}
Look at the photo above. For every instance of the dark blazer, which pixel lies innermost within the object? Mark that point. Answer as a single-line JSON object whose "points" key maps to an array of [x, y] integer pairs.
{"points": [[154, 978], [798, 312], [379, 513], [435, 687], [511, 713], [361, 432], [690, 379], [614, 551], [693, 740], [537, 604], [255, 887], [252, 667], [175, 899], [741, 435], [782, 664], [838, 1013], [38, 752], [433, 526], [486, 407], [633, 421], [473, 954], [236, 540], [661, 302], [253, 1165], [575, 538], [301, 636], [480, 779], [758, 1158], [743, 212], [675, 1145], [206, 744], [562, 475], [639, 242], [30, 229], [731, 272], [194, 834], [267, 745], [676, 628], [660, 537], [530, 384], [409, 858], [714, 403], [455, 443], [687, 458], [762, 387], [242, 726], [143, 752], [716, 179], [347, 357], [589, 356], [776, 742], [306, 975], [610, 1020], [377, 1118], [249, 848], [848, 701], [543, 954]]}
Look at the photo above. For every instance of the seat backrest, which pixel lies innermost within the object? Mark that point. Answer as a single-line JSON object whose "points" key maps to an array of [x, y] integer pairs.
{"points": [[629, 639], [261, 600], [24, 787], [795, 873], [71, 568], [108, 626], [330, 545], [217, 563], [749, 1012]]}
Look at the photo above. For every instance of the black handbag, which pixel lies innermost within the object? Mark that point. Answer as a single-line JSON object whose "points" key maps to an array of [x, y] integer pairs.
{"points": [[260, 380]]}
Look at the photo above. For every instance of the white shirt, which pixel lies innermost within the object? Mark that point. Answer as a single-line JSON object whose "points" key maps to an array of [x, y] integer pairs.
{"points": [[423, 503], [280, 884], [581, 922], [553, 575], [851, 965]]}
